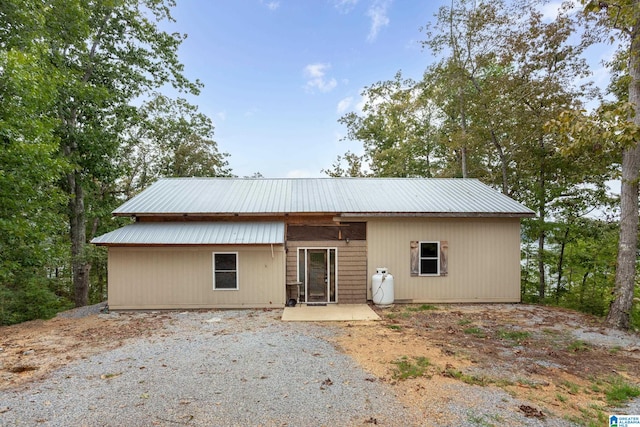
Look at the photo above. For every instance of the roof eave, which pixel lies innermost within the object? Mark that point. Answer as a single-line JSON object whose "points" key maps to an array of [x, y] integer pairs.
{"points": [[218, 214], [182, 245], [437, 215]]}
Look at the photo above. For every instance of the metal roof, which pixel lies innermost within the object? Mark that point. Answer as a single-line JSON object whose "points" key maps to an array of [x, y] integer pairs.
{"points": [[195, 233], [343, 196]]}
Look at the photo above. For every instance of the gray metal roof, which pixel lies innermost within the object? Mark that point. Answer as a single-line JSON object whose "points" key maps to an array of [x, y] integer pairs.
{"points": [[345, 196], [195, 233]]}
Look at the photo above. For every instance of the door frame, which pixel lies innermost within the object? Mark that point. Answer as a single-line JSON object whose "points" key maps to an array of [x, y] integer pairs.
{"points": [[304, 280]]}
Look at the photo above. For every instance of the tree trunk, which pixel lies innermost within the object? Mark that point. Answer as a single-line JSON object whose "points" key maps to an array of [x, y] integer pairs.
{"points": [[620, 310], [463, 124], [463, 155], [503, 162], [77, 218], [583, 288], [542, 212], [78, 233], [559, 287], [496, 143], [542, 285]]}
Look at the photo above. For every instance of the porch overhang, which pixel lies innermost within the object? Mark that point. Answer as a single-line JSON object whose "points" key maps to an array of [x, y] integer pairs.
{"points": [[194, 233]]}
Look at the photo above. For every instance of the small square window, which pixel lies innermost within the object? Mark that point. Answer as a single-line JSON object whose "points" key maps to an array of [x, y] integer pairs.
{"points": [[429, 258], [225, 271]]}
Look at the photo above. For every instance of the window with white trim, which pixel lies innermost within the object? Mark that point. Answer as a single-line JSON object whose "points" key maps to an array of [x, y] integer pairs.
{"points": [[225, 271], [429, 258]]}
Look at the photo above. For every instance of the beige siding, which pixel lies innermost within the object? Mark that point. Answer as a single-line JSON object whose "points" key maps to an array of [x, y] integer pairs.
{"points": [[182, 277], [483, 258], [352, 267]]}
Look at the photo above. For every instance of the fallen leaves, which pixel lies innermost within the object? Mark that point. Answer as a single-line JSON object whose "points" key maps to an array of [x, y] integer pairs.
{"points": [[18, 369], [531, 412], [326, 383], [110, 375]]}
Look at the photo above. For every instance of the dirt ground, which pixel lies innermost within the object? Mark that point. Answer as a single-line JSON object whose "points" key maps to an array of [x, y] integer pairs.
{"points": [[565, 363]]}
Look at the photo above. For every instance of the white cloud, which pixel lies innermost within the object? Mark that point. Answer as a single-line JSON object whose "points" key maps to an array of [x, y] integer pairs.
{"points": [[344, 105], [316, 75], [360, 104], [377, 12], [221, 115], [550, 10], [345, 6], [251, 112], [271, 5]]}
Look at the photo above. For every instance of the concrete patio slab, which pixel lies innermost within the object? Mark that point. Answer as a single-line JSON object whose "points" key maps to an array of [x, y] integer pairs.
{"points": [[329, 313]]}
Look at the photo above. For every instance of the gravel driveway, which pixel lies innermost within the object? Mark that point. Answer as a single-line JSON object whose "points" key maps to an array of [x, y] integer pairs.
{"points": [[212, 369]]}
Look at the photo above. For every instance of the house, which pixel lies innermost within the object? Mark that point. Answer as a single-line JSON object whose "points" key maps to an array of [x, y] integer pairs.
{"points": [[230, 243]]}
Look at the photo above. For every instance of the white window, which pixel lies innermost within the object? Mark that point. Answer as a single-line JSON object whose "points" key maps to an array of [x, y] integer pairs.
{"points": [[429, 258], [225, 271]]}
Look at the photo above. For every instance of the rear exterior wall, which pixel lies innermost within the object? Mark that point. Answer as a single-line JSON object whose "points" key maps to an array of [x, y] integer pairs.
{"points": [[182, 278], [352, 267], [483, 258]]}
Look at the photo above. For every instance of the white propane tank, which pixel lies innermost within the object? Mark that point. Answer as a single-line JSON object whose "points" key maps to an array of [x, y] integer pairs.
{"points": [[382, 287]]}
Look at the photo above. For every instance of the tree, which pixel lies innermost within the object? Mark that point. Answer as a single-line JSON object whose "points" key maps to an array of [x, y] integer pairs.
{"points": [[71, 72], [107, 54], [353, 166], [480, 111], [619, 315], [468, 34], [615, 127], [30, 203], [395, 129], [514, 72], [169, 139]]}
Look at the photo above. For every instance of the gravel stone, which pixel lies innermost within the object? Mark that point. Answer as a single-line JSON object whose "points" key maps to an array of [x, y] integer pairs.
{"points": [[246, 369], [243, 368], [76, 313]]}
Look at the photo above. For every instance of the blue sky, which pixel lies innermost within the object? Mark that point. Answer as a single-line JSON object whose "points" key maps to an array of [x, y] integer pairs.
{"points": [[279, 74]]}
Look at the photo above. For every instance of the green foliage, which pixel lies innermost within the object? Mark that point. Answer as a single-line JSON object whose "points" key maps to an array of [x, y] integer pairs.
{"points": [[396, 132], [620, 391], [475, 331], [72, 73], [516, 336], [480, 380], [32, 299], [406, 368], [422, 307], [31, 206], [578, 345], [169, 139], [353, 167], [581, 266], [572, 388], [620, 127], [504, 74]]}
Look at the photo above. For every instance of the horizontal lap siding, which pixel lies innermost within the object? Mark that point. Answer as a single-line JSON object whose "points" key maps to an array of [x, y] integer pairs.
{"points": [[172, 277], [483, 258], [352, 267]]}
